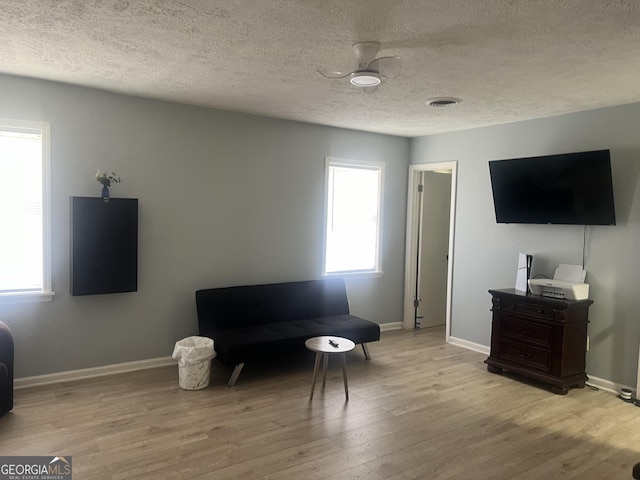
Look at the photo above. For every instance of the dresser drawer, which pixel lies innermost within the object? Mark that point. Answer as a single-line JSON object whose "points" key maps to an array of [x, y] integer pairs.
{"points": [[523, 330], [525, 355], [538, 311]]}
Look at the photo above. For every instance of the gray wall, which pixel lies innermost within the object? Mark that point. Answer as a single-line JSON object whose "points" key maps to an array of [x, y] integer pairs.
{"points": [[224, 199], [486, 253]]}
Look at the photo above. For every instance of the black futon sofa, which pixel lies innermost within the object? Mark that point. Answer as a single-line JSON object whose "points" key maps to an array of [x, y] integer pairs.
{"points": [[258, 322]]}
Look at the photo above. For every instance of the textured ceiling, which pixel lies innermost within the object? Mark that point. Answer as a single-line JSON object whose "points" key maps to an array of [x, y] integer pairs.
{"points": [[508, 60]]}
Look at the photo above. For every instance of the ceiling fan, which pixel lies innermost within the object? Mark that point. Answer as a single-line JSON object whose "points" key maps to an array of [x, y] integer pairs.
{"points": [[371, 71]]}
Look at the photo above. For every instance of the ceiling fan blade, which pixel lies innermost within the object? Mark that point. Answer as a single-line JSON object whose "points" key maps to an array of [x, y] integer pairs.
{"points": [[332, 74], [388, 66]]}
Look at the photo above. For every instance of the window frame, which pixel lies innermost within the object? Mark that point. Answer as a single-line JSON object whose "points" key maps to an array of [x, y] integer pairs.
{"points": [[46, 293], [376, 271]]}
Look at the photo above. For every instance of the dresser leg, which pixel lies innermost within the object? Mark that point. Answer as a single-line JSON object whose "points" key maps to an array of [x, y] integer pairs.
{"points": [[493, 369], [559, 390], [580, 385]]}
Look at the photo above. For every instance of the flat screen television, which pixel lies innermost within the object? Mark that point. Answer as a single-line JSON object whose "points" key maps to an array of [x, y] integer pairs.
{"points": [[569, 189]]}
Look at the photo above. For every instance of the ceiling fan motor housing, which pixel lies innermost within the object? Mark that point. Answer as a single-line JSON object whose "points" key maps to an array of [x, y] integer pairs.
{"points": [[365, 53]]}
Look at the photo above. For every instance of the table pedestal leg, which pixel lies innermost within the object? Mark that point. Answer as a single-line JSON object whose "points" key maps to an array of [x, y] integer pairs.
{"points": [[315, 374], [344, 375], [324, 369]]}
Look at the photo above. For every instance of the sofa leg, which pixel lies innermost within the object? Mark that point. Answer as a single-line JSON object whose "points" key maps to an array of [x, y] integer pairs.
{"points": [[235, 375], [365, 349]]}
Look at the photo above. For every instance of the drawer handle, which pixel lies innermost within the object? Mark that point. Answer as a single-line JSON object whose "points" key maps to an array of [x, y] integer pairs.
{"points": [[524, 354], [541, 312], [524, 331]]}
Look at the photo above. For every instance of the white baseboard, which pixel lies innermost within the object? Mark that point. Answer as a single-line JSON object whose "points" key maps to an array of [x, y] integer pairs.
{"points": [[386, 327], [476, 347], [607, 385], [85, 373], [82, 374]]}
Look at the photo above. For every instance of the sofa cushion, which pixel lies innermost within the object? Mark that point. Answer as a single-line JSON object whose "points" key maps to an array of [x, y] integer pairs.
{"points": [[253, 342]]}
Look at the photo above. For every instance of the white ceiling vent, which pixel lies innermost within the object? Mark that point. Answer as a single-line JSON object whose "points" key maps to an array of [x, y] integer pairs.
{"points": [[443, 101]]}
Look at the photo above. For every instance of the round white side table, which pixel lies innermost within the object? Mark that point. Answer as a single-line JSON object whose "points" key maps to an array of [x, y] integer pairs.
{"points": [[325, 346]]}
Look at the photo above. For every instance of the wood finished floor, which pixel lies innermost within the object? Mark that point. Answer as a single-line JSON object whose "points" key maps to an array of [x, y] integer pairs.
{"points": [[420, 409]]}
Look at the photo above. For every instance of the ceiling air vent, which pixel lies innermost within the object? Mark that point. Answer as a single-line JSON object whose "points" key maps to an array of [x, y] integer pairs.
{"points": [[443, 101]]}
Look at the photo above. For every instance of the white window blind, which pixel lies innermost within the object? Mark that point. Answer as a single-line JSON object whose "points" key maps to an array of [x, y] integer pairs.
{"points": [[24, 209], [353, 217]]}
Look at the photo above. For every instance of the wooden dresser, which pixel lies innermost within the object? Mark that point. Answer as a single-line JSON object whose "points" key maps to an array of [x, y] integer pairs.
{"points": [[539, 337]]}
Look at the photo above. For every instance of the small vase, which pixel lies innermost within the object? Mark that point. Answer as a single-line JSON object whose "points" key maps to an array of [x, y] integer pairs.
{"points": [[105, 194]]}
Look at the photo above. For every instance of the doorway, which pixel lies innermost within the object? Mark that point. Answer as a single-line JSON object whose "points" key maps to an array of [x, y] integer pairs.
{"points": [[429, 260]]}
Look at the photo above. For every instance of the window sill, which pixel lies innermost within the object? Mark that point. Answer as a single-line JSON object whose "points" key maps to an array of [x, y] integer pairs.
{"points": [[26, 297], [371, 274]]}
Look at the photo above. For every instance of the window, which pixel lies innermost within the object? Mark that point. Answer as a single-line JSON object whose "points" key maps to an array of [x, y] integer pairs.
{"points": [[353, 217], [24, 211]]}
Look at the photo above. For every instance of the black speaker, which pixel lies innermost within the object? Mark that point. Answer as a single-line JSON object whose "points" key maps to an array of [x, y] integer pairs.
{"points": [[104, 245]]}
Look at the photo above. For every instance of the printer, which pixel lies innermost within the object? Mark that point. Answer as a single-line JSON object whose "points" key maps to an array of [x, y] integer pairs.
{"points": [[567, 283]]}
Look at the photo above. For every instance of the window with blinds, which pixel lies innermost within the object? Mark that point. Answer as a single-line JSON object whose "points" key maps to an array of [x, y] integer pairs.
{"points": [[24, 210], [353, 217]]}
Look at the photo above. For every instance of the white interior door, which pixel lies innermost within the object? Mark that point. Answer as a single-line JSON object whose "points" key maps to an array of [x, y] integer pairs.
{"points": [[418, 232], [434, 249]]}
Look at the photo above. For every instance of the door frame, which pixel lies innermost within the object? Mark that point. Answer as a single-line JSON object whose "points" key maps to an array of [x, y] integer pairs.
{"points": [[411, 249]]}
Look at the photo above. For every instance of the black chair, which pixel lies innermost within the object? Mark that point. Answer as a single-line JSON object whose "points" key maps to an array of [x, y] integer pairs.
{"points": [[6, 369]]}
